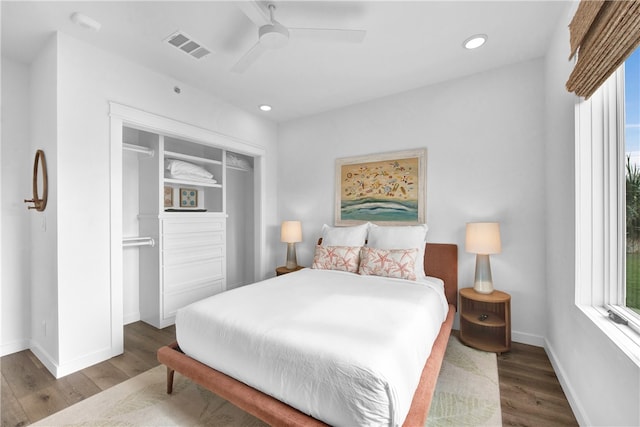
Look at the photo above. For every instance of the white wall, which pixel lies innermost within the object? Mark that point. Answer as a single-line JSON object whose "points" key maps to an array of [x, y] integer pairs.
{"points": [[43, 124], [16, 168], [87, 79], [485, 138], [602, 384]]}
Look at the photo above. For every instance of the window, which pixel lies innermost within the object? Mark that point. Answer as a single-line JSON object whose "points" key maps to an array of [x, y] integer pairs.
{"points": [[631, 289], [608, 206]]}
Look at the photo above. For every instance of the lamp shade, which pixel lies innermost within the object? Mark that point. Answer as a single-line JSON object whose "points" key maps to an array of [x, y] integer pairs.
{"points": [[483, 238], [291, 232]]}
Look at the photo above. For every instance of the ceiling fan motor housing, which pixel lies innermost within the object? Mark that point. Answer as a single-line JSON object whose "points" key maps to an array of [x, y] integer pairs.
{"points": [[274, 35]]}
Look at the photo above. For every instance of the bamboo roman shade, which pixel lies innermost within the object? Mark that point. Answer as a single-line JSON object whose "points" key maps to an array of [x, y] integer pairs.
{"points": [[604, 34]]}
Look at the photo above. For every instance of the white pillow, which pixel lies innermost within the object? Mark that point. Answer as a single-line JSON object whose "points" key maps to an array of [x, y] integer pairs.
{"points": [[178, 167], [401, 237], [344, 236]]}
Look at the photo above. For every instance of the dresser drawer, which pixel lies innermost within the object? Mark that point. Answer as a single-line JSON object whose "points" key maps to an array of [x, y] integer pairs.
{"points": [[194, 225], [186, 255], [192, 240], [174, 301], [182, 276]]}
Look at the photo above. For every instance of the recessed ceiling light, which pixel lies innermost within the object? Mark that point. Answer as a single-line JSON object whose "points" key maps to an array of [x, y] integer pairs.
{"points": [[475, 41], [265, 107]]}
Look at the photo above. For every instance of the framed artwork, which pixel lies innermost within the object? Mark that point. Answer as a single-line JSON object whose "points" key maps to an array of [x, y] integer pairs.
{"points": [[387, 189], [188, 198], [168, 197]]}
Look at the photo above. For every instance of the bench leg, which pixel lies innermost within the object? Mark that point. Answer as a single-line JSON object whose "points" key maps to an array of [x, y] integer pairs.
{"points": [[170, 373]]}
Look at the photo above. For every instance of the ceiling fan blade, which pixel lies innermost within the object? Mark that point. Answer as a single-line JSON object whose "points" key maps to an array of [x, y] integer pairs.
{"points": [[249, 58], [255, 11], [344, 36]]}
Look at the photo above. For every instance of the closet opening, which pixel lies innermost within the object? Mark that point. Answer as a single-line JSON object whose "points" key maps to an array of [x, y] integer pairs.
{"points": [[187, 215], [187, 223]]}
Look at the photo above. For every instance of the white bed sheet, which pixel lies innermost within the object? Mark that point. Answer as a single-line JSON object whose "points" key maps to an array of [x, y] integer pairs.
{"points": [[343, 348]]}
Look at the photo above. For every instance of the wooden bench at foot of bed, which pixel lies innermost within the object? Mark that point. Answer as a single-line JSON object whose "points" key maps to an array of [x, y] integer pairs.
{"points": [[277, 413]]}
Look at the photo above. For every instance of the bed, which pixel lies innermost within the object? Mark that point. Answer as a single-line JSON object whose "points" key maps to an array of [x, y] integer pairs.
{"points": [[440, 261]]}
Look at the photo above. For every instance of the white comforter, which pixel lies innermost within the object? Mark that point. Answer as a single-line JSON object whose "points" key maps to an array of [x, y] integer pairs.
{"points": [[343, 348]]}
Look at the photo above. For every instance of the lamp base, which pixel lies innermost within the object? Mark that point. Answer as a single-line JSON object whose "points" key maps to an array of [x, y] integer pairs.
{"points": [[292, 262], [483, 283]]}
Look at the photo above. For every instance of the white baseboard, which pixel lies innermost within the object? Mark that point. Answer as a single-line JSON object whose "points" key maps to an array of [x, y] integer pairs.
{"points": [[525, 338], [131, 317], [13, 347], [85, 361], [60, 370], [576, 407], [45, 358]]}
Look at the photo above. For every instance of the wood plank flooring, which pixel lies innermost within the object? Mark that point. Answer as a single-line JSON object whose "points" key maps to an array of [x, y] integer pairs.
{"points": [[530, 392], [30, 392]]}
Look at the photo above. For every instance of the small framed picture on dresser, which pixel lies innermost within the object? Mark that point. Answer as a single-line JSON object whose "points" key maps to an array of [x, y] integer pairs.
{"points": [[188, 198]]}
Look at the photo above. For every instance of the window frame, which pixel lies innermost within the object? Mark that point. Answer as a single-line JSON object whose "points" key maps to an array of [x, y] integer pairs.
{"points": [[600, 213]]}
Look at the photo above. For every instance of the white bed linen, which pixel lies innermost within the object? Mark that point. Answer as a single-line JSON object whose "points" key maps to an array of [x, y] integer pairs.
{"points": [[346, 349]]}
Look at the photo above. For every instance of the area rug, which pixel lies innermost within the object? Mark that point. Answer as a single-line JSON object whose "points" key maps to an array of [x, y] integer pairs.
{"points": [[467, 394]]}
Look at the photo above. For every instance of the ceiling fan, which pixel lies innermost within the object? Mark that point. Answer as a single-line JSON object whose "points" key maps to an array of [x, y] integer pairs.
{"points": [[273, 35]]}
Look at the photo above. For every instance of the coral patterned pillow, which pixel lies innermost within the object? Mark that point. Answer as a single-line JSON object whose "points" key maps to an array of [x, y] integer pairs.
{"points": [[343, 258], [398, 263]]}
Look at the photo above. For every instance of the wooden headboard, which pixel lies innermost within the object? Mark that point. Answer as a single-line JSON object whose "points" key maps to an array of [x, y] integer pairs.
{"points": [[441, 261]]}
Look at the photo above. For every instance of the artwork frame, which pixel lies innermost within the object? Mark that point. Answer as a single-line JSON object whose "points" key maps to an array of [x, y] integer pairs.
{"points": [[168, 196], [386, 188], [189, 198]]}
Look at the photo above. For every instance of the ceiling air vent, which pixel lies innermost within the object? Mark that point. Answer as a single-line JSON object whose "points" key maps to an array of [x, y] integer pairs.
{"points": [[187, 45]]}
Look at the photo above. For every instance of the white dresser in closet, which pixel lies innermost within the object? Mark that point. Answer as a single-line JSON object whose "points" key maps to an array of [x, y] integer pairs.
{"points": [[193, 261]]}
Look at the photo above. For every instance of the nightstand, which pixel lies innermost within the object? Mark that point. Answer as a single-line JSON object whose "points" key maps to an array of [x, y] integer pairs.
{"points": [[485, 320], [284, 270]]}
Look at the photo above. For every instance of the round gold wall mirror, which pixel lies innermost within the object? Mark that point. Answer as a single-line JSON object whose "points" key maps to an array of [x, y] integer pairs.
{"points": [[39, 185]]}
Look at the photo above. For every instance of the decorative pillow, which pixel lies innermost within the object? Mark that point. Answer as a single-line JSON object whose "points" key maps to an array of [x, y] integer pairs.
{"points": [[401, 237], [178, 167], [354, 235], [398, 263], [343, 258]]}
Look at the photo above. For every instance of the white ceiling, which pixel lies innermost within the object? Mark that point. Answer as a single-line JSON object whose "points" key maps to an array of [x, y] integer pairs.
{"points": [[408, 44]]}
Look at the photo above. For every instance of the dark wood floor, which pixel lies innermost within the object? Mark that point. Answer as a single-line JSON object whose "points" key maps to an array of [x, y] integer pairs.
{"points": [[530, 392]]}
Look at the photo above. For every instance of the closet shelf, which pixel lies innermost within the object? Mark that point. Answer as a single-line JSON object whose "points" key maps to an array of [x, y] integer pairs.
{"points": [[138, 149], [238, 168], [180, 156], [190, 182]]}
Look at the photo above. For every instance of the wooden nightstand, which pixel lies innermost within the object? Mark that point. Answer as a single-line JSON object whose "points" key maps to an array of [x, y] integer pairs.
{"points": [[485, 320], [284, 270]]}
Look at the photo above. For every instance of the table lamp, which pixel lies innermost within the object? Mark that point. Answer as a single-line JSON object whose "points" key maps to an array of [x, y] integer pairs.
{"points": [[483, 239], [290, 233]]}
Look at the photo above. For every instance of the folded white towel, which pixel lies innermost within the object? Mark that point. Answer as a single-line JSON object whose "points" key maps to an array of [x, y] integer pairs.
{"points": [[179, 167]]}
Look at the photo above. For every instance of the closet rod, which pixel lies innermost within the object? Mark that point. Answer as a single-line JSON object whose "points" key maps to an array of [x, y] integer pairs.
{"points": [[138, 241], [138, 149]]}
